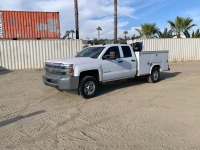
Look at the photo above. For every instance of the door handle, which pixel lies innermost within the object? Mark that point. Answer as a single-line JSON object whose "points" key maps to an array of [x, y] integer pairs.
{"points": [[133, 60], [120, 61]]}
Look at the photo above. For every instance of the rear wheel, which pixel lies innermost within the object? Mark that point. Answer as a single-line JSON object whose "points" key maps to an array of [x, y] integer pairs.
{"points": [[59, 90], [88, 87], [154, 76]]}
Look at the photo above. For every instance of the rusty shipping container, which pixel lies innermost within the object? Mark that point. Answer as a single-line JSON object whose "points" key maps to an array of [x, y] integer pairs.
{"points": [[29, 25]]}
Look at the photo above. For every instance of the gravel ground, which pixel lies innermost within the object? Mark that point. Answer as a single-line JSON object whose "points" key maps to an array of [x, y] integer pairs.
{"points": [[132, 114]]}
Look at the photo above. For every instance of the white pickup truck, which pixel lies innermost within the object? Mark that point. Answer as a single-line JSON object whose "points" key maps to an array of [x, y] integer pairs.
{"points": [[103, 63]]}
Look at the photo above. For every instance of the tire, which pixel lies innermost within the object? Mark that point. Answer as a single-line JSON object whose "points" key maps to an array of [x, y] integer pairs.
{"points": [[154, 76], [88, 87], [59, 89]]}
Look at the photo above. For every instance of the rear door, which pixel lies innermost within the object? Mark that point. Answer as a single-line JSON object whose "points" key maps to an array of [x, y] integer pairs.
{"points": [[112, 69], [129, 61]]}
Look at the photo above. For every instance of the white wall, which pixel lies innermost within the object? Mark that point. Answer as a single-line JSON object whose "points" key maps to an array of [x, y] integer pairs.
{"points": [[179, 49], [31, 54]]}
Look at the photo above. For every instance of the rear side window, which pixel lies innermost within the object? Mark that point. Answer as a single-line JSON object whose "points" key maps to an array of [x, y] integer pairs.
{"points": [[126, 51]]}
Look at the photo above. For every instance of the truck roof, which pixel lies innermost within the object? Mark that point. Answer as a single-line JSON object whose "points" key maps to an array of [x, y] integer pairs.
{"points": [[110, 45]]}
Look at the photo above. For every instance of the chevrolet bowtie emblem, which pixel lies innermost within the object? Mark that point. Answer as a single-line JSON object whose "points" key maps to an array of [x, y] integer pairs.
{"points": [[50, 69]]}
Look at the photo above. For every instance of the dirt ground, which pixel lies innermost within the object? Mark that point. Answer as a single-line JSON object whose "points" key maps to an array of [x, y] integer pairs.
{"points": [[132, 114]]}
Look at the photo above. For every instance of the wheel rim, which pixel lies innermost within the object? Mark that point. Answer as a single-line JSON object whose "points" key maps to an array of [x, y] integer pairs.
{"points": [[155, 75], [89, 88]]}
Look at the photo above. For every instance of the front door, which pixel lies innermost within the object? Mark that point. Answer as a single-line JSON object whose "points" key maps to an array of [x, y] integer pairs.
{"points": [[112, 69]]}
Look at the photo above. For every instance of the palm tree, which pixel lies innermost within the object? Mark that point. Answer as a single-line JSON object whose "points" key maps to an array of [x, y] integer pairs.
{"points": [[67, 33], [181, 25], [148, 30], [97, 41], [76, 18], [135, 37], [115, 21], [72, 31], [166, 33], [125, 33], [195, 34], [99, 29]]}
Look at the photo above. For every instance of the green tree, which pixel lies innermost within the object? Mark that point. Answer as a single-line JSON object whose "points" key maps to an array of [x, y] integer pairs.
{"points": [[99, 29], [67, 33], [195, 34], [76, 18], [181, 25], [166, 33], [148, 30], [98, 41], [115, 21], [125, 33], [72, 31]]}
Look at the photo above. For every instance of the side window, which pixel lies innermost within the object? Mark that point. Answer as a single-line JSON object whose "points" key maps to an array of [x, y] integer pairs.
{"points": [[126, 51], [113, 49]]}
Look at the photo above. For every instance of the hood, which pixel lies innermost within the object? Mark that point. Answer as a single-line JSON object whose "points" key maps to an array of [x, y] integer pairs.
{"points": [[73, 60]]}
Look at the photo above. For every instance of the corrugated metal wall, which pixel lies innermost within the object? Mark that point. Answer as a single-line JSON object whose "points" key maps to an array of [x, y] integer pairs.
{"points": [[179, 49], [31, 54]]}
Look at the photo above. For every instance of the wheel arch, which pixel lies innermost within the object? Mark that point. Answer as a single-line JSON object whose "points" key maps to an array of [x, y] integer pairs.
{"points": [[154, 75], [157, 66], [94, 73]]}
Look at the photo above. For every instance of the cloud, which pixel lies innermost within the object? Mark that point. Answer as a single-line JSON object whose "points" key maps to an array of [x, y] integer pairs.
{"points": [[151, 6], [131, 32], [91, 14], [10, 5], [194, 14]]}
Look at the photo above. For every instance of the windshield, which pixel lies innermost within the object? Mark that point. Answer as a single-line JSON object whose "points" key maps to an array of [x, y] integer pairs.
{"points": [[92, 52]]}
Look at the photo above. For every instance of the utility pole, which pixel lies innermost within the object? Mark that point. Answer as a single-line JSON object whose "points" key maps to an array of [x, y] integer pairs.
{"points": [[115, 21], [76, 18]]}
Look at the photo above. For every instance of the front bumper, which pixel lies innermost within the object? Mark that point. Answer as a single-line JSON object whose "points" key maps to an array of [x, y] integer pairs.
{"points": [[67, 83]]}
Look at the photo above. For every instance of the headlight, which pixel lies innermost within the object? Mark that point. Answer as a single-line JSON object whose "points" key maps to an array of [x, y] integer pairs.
{"points": [[69, 70], [66, 66]]}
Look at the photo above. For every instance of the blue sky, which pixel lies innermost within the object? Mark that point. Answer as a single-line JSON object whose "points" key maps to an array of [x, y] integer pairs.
{"points": [[94, 13]]}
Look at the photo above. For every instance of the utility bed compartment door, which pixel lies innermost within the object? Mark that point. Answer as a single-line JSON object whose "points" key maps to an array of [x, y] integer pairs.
{"points": [[156, 57], [147, 59], [165, 63], [143, 66]]}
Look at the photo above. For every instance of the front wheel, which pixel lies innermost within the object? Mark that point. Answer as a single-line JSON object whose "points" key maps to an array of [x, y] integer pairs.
{"points": [[154, 76], [88, 87]]}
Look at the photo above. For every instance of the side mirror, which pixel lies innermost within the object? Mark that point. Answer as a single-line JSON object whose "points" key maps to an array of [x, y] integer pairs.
{"points": [[137, 46], [112, 55]]}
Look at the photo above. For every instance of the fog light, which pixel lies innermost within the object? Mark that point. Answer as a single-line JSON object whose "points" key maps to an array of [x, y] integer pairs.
{"points": [[71, 74]]}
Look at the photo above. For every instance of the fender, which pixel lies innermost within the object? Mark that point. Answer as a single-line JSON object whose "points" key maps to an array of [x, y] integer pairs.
{"points": [[155, 64], [87, 67]]}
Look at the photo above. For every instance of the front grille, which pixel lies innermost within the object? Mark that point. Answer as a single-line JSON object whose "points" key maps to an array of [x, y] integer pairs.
{"points": [[58, 69], [53, 66], [53, 69]]}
